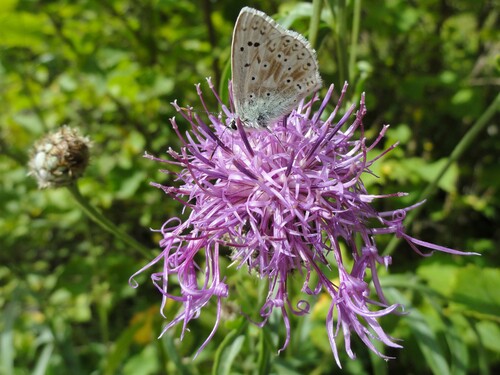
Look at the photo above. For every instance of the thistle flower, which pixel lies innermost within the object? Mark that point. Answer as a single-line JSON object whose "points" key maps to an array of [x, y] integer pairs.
{"points": [[60, 158], [284, 200]]}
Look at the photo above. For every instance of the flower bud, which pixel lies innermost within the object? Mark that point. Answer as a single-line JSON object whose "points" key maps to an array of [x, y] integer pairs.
{"points": [[59, 158]]}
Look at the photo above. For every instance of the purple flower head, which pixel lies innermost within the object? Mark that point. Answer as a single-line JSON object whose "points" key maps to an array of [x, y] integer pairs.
{"points": [[283, 199]]}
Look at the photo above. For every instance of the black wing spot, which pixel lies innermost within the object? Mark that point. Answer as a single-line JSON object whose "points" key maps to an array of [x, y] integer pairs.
{"points": [[250, 44]]}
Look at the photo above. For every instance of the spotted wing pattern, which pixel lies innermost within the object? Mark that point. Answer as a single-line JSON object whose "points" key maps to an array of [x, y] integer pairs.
{"points": [[272, 69]]}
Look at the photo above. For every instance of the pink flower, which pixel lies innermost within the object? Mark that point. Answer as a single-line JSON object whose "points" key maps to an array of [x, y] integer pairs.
{"points": [[282, 199]]}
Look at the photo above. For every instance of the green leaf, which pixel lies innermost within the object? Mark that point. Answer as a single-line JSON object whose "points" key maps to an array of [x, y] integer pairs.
{"points": [[174, 355], [426, 338], [229, 354], [7, 352], [476, 289], [227, 347], [144, 363], [264, 352], [20, 29], [462, 97], [441, 277], [121, 349], [490, 335], [458, 349], [7, 6], [43, 362], [429, 172]]}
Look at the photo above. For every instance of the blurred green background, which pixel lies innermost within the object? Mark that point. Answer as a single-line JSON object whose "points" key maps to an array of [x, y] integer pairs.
{"points": [[111, 68]]}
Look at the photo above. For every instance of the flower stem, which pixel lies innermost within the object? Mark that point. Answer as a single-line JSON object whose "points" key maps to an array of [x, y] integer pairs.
{"points": [[459, 150], [339, 13], [354, 39], [105, 223], [314, 25]]}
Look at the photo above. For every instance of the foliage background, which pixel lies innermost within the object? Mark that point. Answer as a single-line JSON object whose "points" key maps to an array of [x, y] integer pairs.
{"points": [[110, 68]]}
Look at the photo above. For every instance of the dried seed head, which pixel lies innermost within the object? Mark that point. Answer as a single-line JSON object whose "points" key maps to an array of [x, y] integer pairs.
{"points": [[59, 158]]}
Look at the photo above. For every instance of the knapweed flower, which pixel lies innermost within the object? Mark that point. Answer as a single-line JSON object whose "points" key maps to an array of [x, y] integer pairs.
{"points": [[284, 199], [59, 158]]}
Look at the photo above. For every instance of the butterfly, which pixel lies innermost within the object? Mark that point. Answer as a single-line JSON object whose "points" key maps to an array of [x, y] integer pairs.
{"points": [[273, 69]]}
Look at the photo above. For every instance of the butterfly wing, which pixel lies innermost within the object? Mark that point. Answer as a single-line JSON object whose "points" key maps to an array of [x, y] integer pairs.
{"points": [[272, 69]]}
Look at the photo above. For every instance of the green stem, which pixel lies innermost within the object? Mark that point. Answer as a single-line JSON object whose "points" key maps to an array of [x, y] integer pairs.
{"points": [[106, 224], [341, 40], [103, 314], [459, 150], [314, 25], [354, 39]]}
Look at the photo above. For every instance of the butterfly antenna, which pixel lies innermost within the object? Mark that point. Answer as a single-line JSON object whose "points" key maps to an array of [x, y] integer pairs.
{"points": [[232, 125], [275, 136]]}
